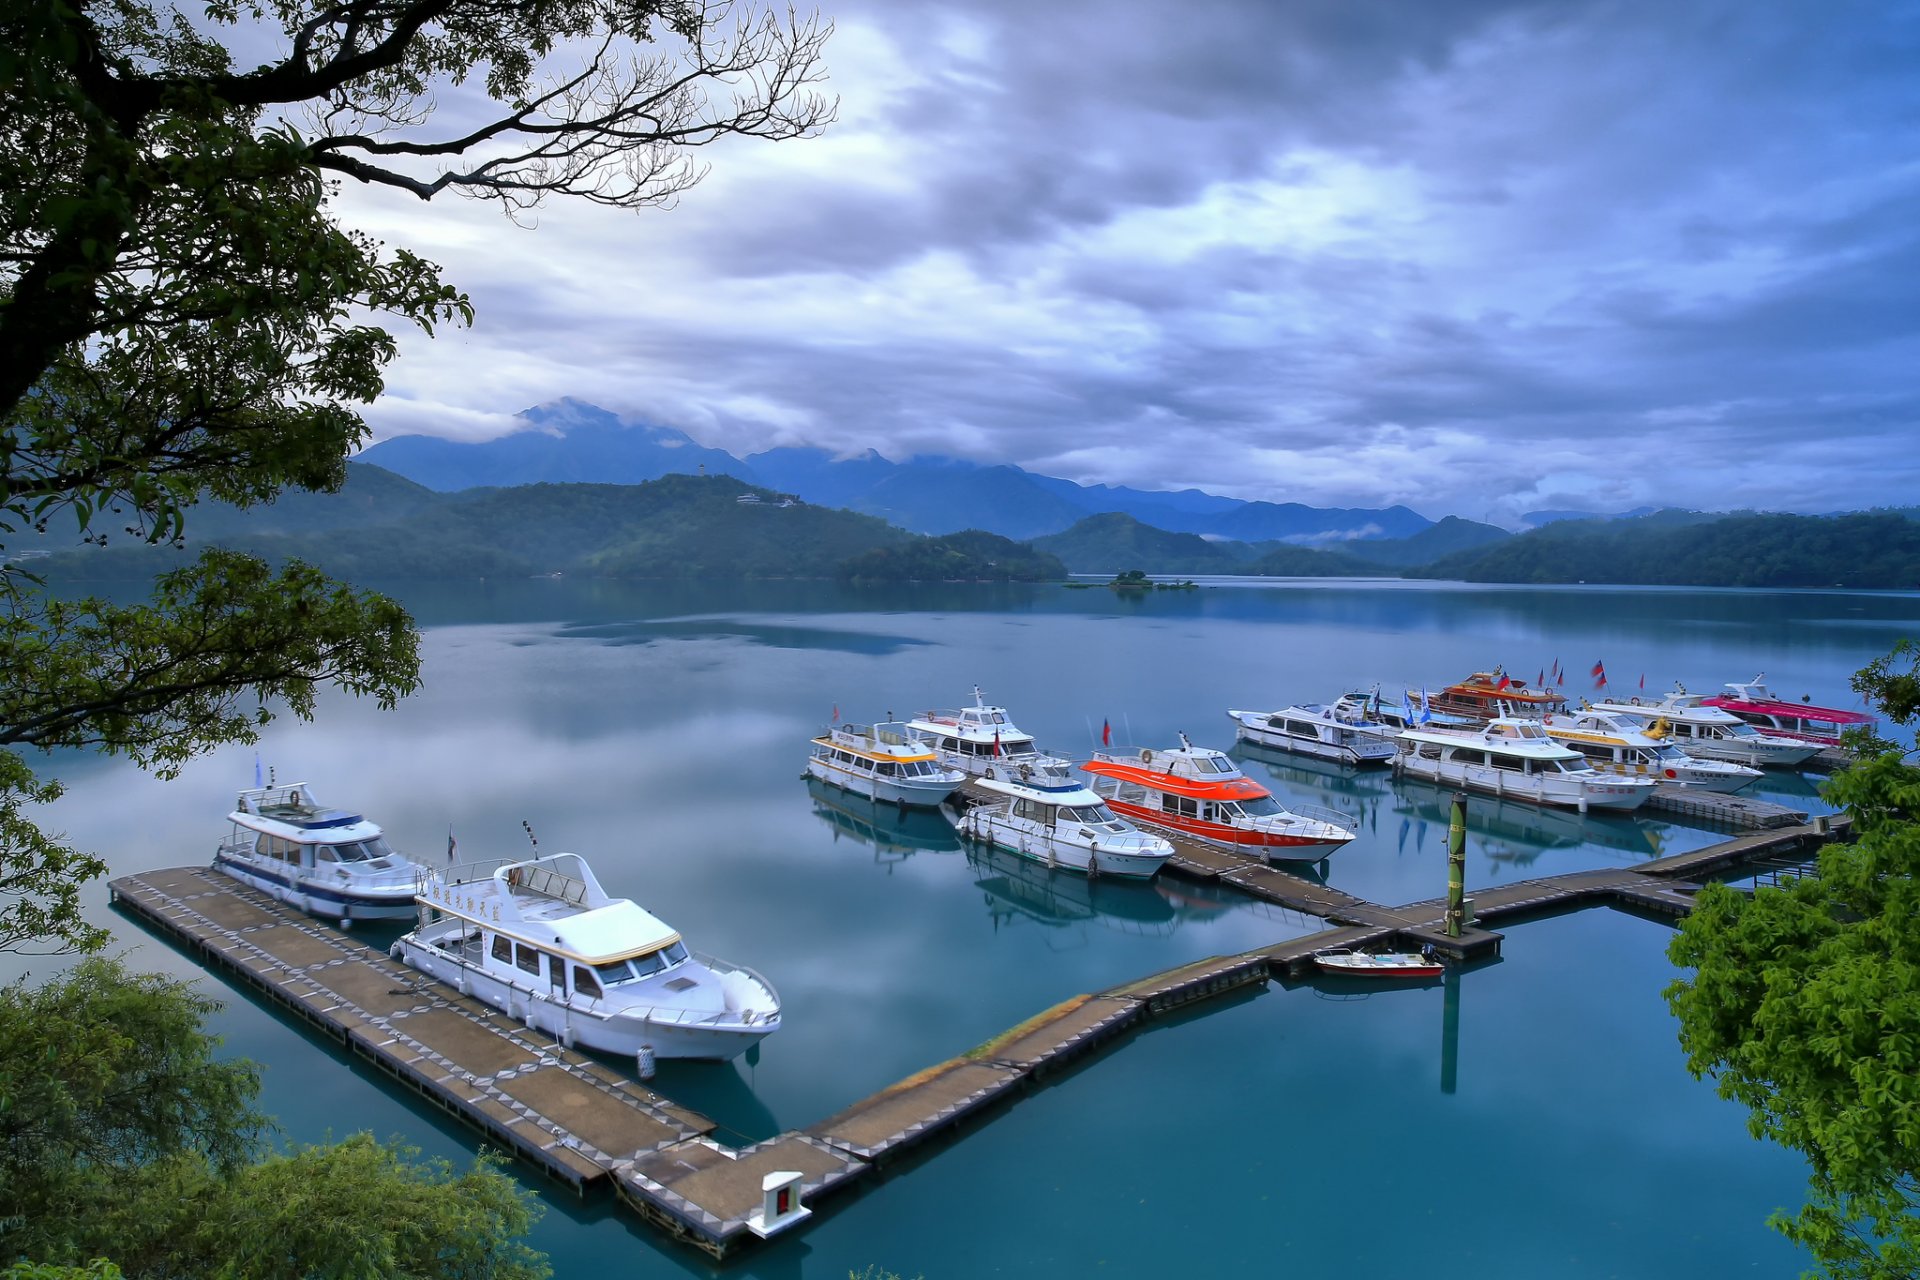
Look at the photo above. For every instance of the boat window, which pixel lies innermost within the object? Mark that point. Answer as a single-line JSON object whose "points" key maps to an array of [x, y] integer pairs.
{"points": [[1011, 746], [526, 957], [1186, 806], [324, 853], [1032, 810], [889, 769], [1301, 728], [1089, 813], [1263, 807], [584, 983], [675, 952], [502, 949]]}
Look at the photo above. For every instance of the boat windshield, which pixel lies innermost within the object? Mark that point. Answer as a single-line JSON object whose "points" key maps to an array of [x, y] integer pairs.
{"points": [[1091, 814], [1213, 764], [355, 851], [618, 971], [1262, 807]]}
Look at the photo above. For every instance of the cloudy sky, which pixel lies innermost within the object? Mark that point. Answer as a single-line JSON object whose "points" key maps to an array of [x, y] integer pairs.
{"points": [[1475, 257]]}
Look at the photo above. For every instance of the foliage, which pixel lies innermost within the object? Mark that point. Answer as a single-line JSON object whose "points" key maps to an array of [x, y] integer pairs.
{"points": [[162, 682], [1690, 549], [127, 1139], [1804, 1004], [1101, 542], [1304, 562], [967, 556]]}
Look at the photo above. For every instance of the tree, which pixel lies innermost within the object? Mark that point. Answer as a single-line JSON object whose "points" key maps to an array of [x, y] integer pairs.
{"points": [[181, 315], [1804, 1004], [127, 1139]]}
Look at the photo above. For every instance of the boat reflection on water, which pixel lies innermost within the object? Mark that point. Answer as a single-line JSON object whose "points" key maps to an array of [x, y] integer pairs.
{"points": [[1514, 832], [1357, 790], [894, 833], [1018, 888]]}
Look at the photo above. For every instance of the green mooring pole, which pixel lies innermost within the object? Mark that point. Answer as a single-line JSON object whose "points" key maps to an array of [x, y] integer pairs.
{"points": [[1457, 866]]}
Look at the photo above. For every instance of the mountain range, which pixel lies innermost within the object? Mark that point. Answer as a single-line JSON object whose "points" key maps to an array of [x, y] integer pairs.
{"points": [[571, 441]]}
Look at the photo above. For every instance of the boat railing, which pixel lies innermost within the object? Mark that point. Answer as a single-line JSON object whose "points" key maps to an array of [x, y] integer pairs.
{"points": [[694, 1017], [470, 872], [1321, 813]]}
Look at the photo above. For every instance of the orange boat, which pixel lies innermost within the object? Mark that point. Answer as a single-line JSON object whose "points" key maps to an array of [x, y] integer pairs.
{"points": [[1201, 793], [1486, 694]]}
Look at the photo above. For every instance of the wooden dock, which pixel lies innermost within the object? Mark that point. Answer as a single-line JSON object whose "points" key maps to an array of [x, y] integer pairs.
{"points": [[588, 1126], [1718, 809]]}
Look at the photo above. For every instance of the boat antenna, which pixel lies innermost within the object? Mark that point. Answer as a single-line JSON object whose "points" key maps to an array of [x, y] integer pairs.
{"points": [[270, 781], [531, 839]]}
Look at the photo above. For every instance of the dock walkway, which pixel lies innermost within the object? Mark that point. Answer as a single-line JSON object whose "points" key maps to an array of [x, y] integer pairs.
{"points": [[588, 1126]]}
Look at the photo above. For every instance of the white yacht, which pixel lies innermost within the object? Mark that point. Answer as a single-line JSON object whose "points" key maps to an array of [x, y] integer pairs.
{"points": [[1053, 819], [1342, 731], [976, 738], [540, 940], [1616, 743], [1513, 757], [1702, 730], [324, 861], [882, 762]]}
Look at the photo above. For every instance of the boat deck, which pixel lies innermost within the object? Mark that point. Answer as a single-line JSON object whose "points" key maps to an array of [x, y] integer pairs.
{"points": [[587, 1126]]}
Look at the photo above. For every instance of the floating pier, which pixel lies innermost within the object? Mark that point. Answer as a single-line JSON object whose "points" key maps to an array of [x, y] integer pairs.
{"points": [[1720, 809], [588, 1126]]}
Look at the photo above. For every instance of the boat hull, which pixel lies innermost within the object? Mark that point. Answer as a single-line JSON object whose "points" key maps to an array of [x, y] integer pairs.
{"points": [[321, 897], [1350, 748], [1615, 795], [1055, 850], [1763, 754], [925, 793], [1272, 845], [572, 1022]]}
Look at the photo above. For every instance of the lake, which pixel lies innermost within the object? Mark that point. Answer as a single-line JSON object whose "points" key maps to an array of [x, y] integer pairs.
{"points": [[661, 730]]}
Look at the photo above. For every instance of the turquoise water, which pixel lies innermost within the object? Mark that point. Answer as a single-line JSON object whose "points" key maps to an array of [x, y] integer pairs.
{"points": [[661, 731]]}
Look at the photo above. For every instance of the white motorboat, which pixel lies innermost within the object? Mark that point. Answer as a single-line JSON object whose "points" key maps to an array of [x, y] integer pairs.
{"points": [[540, 940], [1621, 744], [981, 737], [882, 762], [1513, 757], [1201, 793], [324, 861], [1055, 820], [1703, 730], [1344, 731]]}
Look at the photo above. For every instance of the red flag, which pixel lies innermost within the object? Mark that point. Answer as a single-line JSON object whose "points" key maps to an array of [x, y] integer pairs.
{"points": [[1106, 733], [1504, 683], [1643, 680], [996, 742], [1540, 680], [1563, 679], [1599, 675], [836, 713]]}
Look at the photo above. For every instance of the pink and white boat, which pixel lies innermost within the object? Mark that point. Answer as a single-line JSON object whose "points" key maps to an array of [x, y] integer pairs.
{"points": [[1768, 712]]}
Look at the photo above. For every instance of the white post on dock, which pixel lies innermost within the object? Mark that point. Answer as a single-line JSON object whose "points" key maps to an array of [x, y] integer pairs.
{"points": [[780, 1205]]}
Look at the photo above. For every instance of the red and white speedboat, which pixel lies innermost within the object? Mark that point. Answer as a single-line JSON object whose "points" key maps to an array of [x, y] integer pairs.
{"points": [[1199, 792], [1768, 712]]}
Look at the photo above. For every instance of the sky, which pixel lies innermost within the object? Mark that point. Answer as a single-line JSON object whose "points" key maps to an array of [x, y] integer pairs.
{"points": [[1473, 256]]}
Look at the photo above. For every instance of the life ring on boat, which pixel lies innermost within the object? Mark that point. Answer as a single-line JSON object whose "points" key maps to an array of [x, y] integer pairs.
{"points": [[1633, 702], [1146, 755]]}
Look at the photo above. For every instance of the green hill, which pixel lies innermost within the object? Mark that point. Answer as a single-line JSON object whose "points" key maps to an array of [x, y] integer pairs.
{"points": [[1691, 549], [1304, 562], [380, 526], [1451, 536], [1114, 541]]}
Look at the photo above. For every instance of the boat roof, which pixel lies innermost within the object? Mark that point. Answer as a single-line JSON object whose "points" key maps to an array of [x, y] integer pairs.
{"points": [[1676, 705], [1048, 788], [1482, 685], [887, 741], [1506, 735], [1594, 724], [554, 902], [1753, 695], [980, 718], [1186, 770], [290, 810]]}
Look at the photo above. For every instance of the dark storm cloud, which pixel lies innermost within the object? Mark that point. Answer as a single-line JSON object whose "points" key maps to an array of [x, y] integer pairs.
{"points": [[1329, 251]]}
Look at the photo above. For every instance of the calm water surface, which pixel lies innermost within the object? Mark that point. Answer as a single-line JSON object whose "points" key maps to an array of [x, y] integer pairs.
{"points": [[1532, 1118]]}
